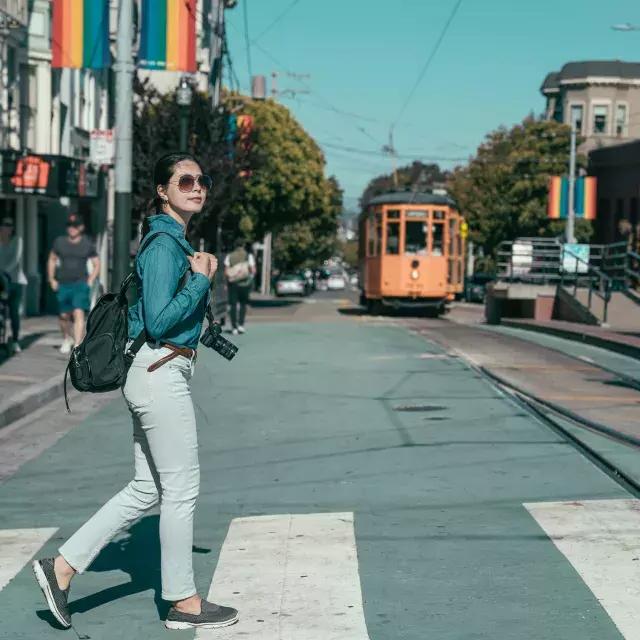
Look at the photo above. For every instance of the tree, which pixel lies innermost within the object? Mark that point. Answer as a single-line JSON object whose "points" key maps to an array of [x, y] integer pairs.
{"points": [[271, 181], [502, 192], [309, 242], [416, 175]]}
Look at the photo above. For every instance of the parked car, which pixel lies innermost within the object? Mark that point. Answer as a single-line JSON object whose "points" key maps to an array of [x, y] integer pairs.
{"points": [[475, 286], [336, 280], [289, 284]]}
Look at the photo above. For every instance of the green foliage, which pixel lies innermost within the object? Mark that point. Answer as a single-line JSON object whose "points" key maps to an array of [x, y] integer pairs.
{"points": [[348, 251], [413, 176], [275, 183], [502, 192]]}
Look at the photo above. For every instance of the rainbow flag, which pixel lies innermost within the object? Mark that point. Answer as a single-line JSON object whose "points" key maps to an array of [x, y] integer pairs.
{"points": [[80, 36], [584, 197], [168, 35]]}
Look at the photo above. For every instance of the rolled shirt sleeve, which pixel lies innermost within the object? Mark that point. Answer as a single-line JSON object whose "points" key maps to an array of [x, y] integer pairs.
{"points": [[163, 307]]}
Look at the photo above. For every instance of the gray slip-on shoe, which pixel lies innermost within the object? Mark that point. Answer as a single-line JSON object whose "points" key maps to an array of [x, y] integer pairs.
{"points": [[56, 597], [211, 616]]}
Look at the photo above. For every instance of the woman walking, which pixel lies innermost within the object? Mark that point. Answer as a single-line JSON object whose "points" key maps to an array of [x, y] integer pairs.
{"points": [[11, 269], [170, 309]]}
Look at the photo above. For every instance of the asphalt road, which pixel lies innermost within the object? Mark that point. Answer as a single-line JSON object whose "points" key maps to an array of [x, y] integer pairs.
{"points": [[359, 479]]}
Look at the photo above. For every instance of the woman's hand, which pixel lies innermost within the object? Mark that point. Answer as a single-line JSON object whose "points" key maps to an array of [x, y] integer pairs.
{"points": [[200, 263], [213, 261]]}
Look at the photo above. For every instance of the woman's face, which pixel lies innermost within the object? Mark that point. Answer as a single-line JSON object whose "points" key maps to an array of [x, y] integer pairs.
{"points": [[186, 202]]}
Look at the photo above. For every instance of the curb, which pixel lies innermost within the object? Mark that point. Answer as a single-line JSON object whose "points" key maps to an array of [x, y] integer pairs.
{"points": [[578, 336], [30, 399]]}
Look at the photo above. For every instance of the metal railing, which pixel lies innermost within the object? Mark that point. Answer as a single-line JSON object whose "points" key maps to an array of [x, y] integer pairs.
{"points": [[532, 260], [597, 282]]}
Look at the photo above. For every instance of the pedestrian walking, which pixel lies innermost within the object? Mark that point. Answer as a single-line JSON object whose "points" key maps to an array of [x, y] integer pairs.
{"points": [[173, 296], [68, 277], [13, 276], [239, 269]]}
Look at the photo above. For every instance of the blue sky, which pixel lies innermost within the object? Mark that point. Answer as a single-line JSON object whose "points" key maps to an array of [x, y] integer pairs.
{"points": [[364, 56]]}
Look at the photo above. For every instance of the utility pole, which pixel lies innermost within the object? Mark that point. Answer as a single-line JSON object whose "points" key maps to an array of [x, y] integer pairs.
{"points": [[571, 213], [216, 32], [124, 70]]}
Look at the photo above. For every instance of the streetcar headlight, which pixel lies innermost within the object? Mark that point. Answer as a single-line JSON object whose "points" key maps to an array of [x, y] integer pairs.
{"points": [[414, 274]]}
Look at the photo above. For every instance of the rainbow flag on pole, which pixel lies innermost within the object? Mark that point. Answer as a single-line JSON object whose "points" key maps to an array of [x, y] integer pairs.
{"points": [[80, 36], [584, 197], [168, 35]]}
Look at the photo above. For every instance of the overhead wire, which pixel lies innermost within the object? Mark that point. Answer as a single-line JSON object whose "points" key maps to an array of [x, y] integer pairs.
{"points": [[430, 59], [275, 21]]}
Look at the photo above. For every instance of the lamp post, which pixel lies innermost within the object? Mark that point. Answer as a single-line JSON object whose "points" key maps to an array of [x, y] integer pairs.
{"points": [[184, 95]]}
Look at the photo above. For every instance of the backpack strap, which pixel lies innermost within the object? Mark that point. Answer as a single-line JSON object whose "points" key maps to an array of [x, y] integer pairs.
{"points": [[141, 338]]}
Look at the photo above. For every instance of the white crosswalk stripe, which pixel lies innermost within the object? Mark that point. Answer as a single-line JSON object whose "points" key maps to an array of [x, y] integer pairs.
{"points": [[17, 547], [601, 539], [290, 576]]}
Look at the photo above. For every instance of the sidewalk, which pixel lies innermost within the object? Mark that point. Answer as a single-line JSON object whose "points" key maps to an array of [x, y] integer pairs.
{"points": [[626, 343], [34, 377]]}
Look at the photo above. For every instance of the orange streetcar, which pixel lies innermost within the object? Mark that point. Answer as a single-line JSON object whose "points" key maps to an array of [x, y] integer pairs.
{"points": [[411, 252]]}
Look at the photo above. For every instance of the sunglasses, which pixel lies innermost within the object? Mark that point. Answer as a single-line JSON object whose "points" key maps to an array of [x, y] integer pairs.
{"points": [[187, 182]]}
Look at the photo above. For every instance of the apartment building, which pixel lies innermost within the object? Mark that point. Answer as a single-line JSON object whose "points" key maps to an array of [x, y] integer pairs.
{"points": [[601, 96]]}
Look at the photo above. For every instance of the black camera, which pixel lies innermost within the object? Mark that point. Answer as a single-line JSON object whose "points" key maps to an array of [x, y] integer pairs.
{"points": [[213, 339]]}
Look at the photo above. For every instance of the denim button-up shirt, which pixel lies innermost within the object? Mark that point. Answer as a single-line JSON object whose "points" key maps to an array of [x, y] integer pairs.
{"points": [[169, 315]]}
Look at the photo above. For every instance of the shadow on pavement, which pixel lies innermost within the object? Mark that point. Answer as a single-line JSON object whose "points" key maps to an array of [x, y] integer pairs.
{"points": [[138, 555], [25, 343], [265, 304]]}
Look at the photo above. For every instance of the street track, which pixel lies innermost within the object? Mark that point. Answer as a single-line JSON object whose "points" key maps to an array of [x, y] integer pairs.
{"points": [[544, 410]]}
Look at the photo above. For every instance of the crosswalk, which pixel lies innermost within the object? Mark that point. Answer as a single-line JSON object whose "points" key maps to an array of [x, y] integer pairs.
{"points": [[601, 539], [17, 548], [291, 576], [297, 576]]}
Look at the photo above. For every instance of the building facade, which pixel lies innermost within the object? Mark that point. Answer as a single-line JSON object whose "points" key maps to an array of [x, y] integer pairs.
{"points": [[46, 116], [601, 96], [617, 169]]}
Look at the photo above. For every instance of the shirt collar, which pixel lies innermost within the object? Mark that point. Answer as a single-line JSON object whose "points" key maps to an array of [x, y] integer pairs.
{"points": [[164, 222]]}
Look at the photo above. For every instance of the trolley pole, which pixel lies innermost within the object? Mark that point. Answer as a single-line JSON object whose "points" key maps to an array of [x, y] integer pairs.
{"points": [[124, 70], [571, 213]]}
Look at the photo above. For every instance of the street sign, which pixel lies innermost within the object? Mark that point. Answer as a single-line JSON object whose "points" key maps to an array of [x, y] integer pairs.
{"points": [[102, 147], [575, 258]]}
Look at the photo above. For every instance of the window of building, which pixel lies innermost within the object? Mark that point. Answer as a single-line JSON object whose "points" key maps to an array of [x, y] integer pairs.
{"points": [[577, 116], [600, 115], [621, 120], [393, 238], [415, 238]]}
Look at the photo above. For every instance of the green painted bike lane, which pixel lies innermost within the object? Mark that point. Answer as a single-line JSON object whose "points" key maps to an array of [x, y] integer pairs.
{"points": [[335, 417]]}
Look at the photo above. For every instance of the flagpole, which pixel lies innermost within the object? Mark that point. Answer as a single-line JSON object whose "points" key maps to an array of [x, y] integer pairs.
{"points": [[124, 70]]}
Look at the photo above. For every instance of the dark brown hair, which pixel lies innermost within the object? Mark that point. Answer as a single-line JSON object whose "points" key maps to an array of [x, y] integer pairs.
{"points": [[163, 170]]}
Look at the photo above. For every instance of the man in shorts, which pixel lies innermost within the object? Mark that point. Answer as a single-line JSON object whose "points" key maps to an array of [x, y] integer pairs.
{"points": [[69, 277]]}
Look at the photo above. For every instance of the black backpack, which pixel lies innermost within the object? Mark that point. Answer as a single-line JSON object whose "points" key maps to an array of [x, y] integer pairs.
{"points": [[100, 363]]}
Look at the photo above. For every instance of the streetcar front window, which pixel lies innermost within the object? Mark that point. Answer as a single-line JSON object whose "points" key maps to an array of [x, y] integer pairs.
{"points": [[415, 243], [393, 238]]}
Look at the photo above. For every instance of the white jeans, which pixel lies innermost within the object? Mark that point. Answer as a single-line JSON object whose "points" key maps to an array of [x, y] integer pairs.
{"points": [[165, 447]]}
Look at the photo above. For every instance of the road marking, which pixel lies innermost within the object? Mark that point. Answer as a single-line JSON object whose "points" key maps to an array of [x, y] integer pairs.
{"points": [[17, 547], [601, 539], [290, 576]]}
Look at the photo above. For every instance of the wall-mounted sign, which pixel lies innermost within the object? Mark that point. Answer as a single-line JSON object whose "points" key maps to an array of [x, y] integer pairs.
{"points": [[102, 148]]}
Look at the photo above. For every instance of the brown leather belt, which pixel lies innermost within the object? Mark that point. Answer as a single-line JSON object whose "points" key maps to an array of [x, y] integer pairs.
{"points": [[175, 352]]}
